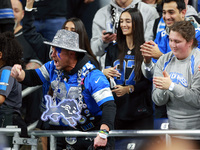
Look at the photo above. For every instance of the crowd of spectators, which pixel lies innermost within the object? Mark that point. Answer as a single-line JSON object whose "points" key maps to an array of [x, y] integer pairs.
{"points": [[131, 54]]}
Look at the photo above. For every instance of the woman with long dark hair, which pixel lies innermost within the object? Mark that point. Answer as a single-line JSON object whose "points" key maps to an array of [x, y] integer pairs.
{"points": [[132, 91], [76, 25]]}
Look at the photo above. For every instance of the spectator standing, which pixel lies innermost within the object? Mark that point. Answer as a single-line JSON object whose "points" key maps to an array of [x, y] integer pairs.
{"points": [[176, 79], [10, 89], [132, 92], [108, 16], [154, 49], [160, 45], [159, 24], [70, 67]]}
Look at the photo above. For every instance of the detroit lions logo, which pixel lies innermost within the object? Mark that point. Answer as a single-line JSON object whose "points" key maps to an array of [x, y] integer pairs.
{"points": [[67, 110], [178, 78]]}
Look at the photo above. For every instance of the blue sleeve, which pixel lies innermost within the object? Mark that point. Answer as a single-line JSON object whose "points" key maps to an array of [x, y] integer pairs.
{"points": [[198, 37], [6, 82], [162, 39], [44, 72], [99, 87]]}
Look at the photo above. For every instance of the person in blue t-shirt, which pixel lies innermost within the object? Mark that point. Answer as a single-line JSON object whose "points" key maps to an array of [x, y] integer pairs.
{"points": [[82, 99], [173, 11]]}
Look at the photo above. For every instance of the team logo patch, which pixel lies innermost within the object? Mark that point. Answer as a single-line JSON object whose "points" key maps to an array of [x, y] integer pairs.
{"points": [[67, 110], [178, 78]]}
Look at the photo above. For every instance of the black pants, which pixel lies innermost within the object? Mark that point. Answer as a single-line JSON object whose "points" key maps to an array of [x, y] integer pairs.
{"points": [[141, 124]]}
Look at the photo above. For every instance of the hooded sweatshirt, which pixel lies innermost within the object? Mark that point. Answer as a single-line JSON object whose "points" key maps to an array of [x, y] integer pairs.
{"points": [[103, 16]]}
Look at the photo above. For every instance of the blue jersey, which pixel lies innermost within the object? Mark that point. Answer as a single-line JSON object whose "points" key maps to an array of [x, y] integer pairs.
{"points": [[96, 89], [162, 39]]}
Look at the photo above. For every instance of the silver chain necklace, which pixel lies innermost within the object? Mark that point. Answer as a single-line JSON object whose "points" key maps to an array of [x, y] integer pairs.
{"points": [[80, 97]]}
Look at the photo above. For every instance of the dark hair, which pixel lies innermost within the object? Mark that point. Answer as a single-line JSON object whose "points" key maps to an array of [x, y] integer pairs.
{"points": [[187, 31], [138, 39], [11, 49], [180, 4], [83, 37]]}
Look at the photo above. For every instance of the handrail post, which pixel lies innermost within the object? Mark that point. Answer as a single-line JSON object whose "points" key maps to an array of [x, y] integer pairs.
{"points": [[15, 144], [168, 140], [33, 147], [52, 142]]}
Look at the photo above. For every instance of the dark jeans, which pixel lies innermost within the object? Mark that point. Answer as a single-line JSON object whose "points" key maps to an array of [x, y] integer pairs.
{"points": [[49, 27]]}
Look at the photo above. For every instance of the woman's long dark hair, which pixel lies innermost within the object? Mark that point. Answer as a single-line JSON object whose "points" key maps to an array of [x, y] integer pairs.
{"points": [[11, 49], [83, 37], [138, 39]]}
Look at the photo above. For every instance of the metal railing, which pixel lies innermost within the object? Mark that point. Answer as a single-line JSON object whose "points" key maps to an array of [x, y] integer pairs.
{"points": [[29, 90], [52, 134]]}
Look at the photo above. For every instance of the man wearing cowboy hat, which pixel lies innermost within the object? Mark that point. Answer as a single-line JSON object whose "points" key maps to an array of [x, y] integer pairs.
{"points": [[82, 98]]}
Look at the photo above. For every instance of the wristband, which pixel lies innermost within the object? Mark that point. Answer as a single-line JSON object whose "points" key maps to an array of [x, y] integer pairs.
{"points": [[102, 135], [171, 87], [27, 9]]}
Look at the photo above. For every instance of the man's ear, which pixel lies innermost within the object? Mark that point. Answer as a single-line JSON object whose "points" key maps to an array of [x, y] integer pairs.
{"points": [[183, 12]]}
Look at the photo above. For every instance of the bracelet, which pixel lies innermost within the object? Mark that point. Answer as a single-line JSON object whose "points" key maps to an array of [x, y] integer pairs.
{"points": [[149, 66], [104, 131], [27, 9], [102, 135]]}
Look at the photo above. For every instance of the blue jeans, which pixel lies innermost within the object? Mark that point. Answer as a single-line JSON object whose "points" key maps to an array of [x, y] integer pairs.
{"points": [[49, 27]]}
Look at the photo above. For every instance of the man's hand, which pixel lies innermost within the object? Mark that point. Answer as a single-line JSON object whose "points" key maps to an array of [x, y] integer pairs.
{"points": [[121, 90], [111, 72], [99, 142], [164, 82], [150, 50], [18, 73], [107, 38], [199, 67], [29, 4]]}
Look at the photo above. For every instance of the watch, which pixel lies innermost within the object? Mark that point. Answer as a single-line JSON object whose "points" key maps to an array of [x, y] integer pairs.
{"points": [[131, 90], [171, 87]]}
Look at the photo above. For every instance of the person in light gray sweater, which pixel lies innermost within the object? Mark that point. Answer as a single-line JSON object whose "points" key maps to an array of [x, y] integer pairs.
{"points": [[177, 79], [109, 15]]}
